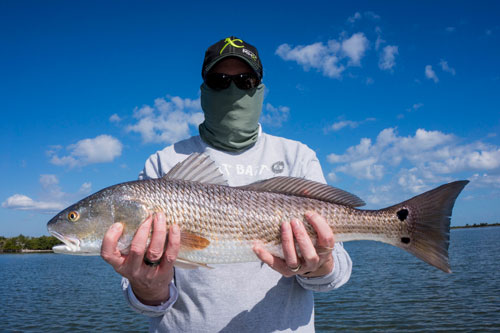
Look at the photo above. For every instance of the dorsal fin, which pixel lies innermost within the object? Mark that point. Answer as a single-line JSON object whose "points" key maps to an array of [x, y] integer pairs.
{"points": [[199, 168], [305, 188]]}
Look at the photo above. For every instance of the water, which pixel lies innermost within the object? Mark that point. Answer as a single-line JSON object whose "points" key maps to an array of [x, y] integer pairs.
{"points": [[393, 291], [389, 291]]}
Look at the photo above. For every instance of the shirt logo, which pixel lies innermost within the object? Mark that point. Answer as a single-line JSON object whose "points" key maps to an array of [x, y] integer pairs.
{"points": [[232, 42], [278, 167]]}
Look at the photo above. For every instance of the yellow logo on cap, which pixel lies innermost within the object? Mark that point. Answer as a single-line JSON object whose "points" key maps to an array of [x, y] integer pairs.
{"points": [[232, 42]]}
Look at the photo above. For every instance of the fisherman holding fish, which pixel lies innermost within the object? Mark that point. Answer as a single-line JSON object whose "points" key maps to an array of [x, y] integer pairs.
{"points": [[253, 205], [273, 295]]}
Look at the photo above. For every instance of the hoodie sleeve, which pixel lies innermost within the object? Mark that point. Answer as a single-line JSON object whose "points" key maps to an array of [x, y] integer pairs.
{"points": [[151, 168], [147, 310], [336, 278]]}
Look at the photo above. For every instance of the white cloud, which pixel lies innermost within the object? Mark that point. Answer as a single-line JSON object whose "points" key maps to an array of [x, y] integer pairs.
{"points": [[331, 58], [101, 149], [23, 202], [417, 162], [410, 180], [363, 169], [446, 68], [337, 126], [485, 180], [379, 41], [430, 74], [415, 107], [85, 188], [358, 16], [274, 116], [318, 56], [115, 118], [48, 180], [354, 18], [388, 57], [50, 185], [344, 123], [355, 47], [168, 120], [54, 198], [332, 176], [371, 15]]}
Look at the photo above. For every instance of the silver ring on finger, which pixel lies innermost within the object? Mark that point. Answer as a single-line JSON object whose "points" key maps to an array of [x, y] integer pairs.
{"points": [[296, 269], [151, 263]]}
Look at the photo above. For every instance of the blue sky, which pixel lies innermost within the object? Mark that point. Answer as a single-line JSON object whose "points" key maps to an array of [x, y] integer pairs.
{"points": [[395, 97]]}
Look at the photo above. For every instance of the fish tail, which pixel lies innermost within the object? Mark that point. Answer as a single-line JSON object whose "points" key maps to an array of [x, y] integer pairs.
{"points": [[428, 223]]}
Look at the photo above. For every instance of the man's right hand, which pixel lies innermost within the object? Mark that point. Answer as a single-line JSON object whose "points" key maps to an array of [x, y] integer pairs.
{"points": [[149, 283]]}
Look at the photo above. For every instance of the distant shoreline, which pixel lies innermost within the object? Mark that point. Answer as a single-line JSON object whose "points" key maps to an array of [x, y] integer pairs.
{"points": [[480, 225], [25, 251], [36, 251], [27, 244]]}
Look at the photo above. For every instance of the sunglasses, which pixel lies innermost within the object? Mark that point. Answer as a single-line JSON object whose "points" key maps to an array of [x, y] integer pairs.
{"points": [[220, 81]]}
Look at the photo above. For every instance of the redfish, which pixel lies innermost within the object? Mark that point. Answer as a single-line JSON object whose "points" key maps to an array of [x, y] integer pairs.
{"points": [[219, 224]]}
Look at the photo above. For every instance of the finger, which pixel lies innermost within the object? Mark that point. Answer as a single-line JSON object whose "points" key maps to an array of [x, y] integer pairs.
{"points": [[173, 246], [109, 250], [275, 263], [325, 238], [288, 245], [157, 244], [305, 244], [139, 242]]}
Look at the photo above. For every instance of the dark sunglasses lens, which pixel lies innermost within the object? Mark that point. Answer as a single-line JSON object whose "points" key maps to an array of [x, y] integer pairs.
{"points": [[246, 81], [218, 81]]}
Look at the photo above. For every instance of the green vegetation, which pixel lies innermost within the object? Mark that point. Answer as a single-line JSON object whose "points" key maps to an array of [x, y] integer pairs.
{"points": [[22, 243]]}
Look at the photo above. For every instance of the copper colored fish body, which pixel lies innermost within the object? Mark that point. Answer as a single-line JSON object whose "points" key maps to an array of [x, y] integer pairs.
{"points": [[219, 223]]}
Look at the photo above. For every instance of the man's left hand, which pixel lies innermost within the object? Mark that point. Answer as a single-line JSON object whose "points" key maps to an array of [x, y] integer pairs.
{"points": [[315, 261]]}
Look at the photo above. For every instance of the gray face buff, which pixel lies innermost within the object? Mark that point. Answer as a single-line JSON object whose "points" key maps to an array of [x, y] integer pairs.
{"points": [[231, 116]]}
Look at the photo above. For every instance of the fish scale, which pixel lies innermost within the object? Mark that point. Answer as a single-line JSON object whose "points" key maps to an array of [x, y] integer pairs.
{"points": [[243, 216], [220, 224]]}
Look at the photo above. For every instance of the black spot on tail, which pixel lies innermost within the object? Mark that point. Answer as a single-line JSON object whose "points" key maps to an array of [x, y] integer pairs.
{"points": [[402, 214], [405, 240]]}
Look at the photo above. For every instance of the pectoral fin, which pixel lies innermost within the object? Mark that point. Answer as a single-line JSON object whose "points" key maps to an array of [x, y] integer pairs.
{"points": [[190, 241]]}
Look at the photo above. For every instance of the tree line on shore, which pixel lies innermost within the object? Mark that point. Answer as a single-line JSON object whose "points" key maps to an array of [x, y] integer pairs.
{"points": [[21, 242], [477, 225]]}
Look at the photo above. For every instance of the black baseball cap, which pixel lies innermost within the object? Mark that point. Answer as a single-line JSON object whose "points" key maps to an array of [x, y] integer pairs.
{"points": [[232, 47]]}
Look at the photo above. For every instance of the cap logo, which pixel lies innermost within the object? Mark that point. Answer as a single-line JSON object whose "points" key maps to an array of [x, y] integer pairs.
{"points": [[250, 54], [232, 42]]}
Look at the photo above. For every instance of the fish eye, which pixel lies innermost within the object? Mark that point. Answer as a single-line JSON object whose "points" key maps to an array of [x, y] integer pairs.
{"points": [[73, 216]]}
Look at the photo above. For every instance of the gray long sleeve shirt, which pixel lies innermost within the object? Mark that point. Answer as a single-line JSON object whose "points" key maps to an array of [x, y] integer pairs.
{"points": [[245, 297]]}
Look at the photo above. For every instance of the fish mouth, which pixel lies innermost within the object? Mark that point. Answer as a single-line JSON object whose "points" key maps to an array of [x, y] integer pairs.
{"points": [[71, 244]]}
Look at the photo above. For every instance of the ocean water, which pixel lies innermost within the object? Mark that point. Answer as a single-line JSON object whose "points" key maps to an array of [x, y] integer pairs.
{"points": [[388, 291]]}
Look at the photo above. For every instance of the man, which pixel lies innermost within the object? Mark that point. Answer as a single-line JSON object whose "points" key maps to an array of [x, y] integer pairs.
{"points": [[256, 297]]}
